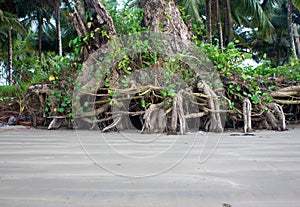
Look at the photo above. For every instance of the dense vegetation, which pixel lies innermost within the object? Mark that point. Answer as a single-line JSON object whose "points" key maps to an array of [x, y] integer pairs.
{"points": [[40, 44]]}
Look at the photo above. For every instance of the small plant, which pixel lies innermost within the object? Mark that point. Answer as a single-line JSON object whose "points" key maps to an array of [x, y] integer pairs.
{"points": [[62, 84]]}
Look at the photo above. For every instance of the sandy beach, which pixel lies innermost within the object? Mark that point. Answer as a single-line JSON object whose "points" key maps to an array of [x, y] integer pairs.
{"points": [[87, 168]]}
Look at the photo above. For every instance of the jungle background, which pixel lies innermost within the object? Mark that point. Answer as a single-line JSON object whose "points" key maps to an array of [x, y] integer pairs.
{"points": [[45, 45]]}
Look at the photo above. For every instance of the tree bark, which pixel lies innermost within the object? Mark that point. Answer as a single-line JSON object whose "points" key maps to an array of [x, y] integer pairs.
{"points": [[297, 40], [164, 16], [40, 32], [221, 43], [290, 27], [91, 17], [58, 27], [229, 22], [208, 22]]}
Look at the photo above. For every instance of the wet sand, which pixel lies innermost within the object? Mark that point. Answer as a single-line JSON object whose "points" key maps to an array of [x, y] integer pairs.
{"points": [[86, 168]]}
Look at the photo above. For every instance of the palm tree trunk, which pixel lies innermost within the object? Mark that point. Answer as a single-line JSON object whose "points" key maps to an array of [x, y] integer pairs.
{"points": [[297, 40], [10, 52], [40, 31], [208, 21], [229, 22], [57, 11], [290, 27], [219, 24]]}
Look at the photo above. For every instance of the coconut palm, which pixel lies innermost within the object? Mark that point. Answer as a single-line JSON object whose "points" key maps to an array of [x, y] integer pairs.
{"points": [[8, 23], [290, 4], [249, 13], [280, 47], [34, 12], [55, 4]]}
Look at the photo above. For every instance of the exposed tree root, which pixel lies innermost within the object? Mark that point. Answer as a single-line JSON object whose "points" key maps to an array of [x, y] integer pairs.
{"points": [[155, 119], [213, 103], [247, 107]]}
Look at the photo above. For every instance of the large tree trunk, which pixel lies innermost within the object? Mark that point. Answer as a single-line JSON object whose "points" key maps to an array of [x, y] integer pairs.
{"points": [[164, 16], [10, 51], [98, 22]]}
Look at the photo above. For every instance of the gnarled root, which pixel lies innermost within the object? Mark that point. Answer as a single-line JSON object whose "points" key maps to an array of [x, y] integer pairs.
{"points": [[155, 119], [213, 103], [278, 111], [274, 122]]}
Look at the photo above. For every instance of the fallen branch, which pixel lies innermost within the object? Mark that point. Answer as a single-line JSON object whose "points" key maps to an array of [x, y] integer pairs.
{"points": [[287, 102]]}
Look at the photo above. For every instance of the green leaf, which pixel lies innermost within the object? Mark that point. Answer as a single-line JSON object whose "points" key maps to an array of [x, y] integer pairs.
{"points": [[143, 103], [164, 93], [61, 110], [230, 45], [271, 87]]}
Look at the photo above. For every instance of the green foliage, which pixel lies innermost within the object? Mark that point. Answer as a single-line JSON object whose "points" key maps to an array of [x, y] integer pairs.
{"points": [[61, 77], [128, 20], [12, 94], [252, 82], [8, 92]]}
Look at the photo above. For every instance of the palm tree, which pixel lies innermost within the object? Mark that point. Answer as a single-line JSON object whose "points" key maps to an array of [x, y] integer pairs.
{"points": [[280, 47], [219, 23], [290, 23], [8, 22], [55, 4], [290, 26], [208, 21], [228, 21], [35, 12], [248, 13]]}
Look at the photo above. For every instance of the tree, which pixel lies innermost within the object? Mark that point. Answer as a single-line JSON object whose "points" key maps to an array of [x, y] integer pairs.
{"points": [[100, 84], [35, 12], [228, 22], [290, 23], [290, 27], [219, 23], [208, 21], [91, 18], [55, 4], [247, 13], [9, 23]]}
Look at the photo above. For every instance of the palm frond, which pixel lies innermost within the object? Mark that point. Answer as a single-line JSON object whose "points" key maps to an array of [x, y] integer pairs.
{"points": [[251, 13], [297, 4], [7, 20], [192, 8]]}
